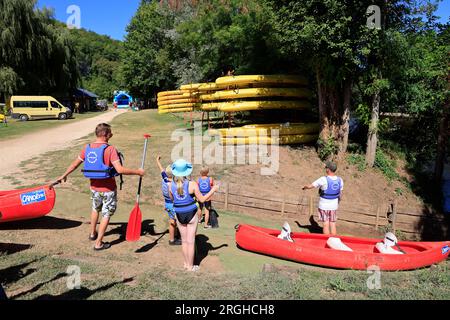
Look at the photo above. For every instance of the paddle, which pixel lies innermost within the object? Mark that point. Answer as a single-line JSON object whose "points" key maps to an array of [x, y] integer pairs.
{"points": [[135, 221]]}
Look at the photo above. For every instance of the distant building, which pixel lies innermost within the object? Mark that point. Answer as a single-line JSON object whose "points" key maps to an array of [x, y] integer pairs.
{"points": [[84, 99]]}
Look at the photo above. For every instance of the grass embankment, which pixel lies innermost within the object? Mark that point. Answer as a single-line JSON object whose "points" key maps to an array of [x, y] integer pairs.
{"points": [[16, 128], [150, 268]]}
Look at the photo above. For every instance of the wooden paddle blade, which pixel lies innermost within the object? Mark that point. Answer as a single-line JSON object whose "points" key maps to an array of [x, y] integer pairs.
{"points": [[134, 224]]}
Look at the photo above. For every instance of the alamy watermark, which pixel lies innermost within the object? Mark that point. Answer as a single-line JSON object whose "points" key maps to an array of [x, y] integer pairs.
{"points": [[74, 19], [374, 18], [74, 277], [374, 281], [256, 148]]}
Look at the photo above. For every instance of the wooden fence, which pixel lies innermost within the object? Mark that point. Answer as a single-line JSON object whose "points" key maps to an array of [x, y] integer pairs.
{"points": [[384, 216]]}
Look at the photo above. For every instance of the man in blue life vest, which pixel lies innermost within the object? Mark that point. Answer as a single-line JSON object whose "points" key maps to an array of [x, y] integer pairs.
{"points": [[330, 191]]}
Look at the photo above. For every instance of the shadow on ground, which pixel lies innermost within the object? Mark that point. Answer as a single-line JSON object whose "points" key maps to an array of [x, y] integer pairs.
{"points": [[314, 227], [11, 248], [80, 294], [44, 223], [203, 247], [15, 273]]}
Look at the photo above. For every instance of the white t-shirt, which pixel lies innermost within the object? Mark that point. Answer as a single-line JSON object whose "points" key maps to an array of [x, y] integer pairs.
{"points": [[327, 204]]}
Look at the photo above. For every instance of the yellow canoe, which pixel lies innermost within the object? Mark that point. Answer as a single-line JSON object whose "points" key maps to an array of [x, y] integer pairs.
{"points": [[235, 106], [252, 131], [175, 110], [176, 97], [261, 80], [172, 93], [208, 87], [192, 86], [178, 101], [257, 93], [290, 139], [177, 106]]}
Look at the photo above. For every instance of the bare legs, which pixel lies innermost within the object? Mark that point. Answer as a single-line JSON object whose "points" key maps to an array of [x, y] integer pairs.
{"points": [[329, 228], [172, 227], [187, 232], [94, 221], [101, 230], [206, 217]]}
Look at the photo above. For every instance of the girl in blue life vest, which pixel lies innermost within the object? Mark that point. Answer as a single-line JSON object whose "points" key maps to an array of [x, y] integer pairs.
{"points": [[185, 194]]}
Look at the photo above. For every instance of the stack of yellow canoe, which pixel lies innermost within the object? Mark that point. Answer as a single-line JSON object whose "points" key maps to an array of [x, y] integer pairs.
{"points": [[177, 101], [293, 133], [239, 93], [254, 92]]}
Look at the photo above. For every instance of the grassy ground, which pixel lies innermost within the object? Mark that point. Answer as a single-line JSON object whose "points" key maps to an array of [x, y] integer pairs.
{"points": [[150, 268], [16, 128]]}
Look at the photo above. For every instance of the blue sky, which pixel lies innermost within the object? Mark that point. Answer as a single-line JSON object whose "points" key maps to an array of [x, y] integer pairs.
{"points": [[111, 17]]}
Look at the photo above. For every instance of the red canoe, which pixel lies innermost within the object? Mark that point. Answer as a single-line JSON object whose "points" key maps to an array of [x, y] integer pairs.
{"points": [[26, 203], [313, 249]]}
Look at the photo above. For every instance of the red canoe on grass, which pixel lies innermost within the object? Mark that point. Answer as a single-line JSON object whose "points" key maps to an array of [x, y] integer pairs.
{"points": [[315, 249], [26, 203]]}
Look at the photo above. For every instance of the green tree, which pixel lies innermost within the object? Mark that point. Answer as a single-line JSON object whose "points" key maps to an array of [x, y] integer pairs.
{"points": [[333, 39], [36, 56]]}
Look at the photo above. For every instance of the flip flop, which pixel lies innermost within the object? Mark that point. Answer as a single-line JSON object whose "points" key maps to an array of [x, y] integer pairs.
{"points": [[105, 245]]}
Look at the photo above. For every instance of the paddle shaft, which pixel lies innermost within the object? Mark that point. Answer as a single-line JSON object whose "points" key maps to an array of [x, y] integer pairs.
{"points": [[142, 167]]}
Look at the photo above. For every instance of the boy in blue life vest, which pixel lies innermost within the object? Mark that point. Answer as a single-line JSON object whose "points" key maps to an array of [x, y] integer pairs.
{"points": [[166, 176], [101, 165], [205, 184], [330, 191]]}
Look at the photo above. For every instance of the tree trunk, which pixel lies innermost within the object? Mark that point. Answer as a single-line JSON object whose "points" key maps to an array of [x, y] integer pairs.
{"points": [[334, 112], [443, 138], [442, 142], [344, 127], [372, 137]]}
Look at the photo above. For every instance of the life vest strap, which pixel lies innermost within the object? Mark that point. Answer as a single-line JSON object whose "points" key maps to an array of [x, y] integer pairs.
{"points": [[184, 205]]}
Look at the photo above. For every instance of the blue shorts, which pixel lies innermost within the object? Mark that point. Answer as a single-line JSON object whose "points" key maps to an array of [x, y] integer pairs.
{"points": [[170, 211]]}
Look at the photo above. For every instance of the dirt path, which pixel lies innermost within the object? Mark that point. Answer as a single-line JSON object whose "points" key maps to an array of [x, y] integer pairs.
{"points": [[13, 152]]}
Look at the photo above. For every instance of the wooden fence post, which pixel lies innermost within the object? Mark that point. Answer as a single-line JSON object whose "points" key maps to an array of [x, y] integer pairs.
{"points": [[227, 189], [394, 216], [378, 218]]}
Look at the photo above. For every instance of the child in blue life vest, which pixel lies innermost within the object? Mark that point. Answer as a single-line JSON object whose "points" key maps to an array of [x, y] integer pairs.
{"points": [[205, 184], [330, 191], [185, 195], [101, 165], [166, 176]]}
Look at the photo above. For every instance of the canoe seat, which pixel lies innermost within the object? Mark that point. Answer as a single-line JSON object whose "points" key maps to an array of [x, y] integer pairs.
{"points": [[337, 244], [382, 248]]}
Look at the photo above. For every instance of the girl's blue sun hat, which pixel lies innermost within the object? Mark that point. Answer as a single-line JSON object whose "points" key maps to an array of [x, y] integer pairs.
{"points": [[181, 168]]}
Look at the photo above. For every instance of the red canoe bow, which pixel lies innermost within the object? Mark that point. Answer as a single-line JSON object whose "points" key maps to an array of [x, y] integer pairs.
{"points": [[26, 204]]}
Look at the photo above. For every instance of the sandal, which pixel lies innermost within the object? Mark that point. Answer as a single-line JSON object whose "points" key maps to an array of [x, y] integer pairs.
{"points": [[105, 245]]}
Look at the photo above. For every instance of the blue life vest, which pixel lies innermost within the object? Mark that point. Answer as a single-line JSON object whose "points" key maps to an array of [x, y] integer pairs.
{"points": [[183, 204], [204, 185], [165, 192], [333, 190], [94, 165]]}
